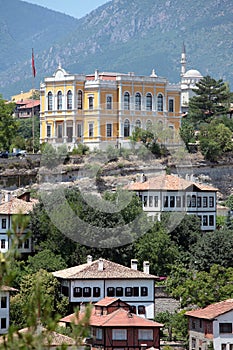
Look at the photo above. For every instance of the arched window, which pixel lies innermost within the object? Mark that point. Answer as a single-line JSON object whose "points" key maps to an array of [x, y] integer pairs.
{"points": [[138, 123], [148, 125], [160, 102], [149, 102], [59, 100], [69, 99], [126, 128], [80, 99], [50, 101], [138, 101], [126, 101]]}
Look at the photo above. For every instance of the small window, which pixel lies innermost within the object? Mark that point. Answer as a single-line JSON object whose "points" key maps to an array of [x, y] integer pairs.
{"points": [[172, 201], [138, 101], [211, 202], [156, 201], [145, 201], [128, 292], [144, 291], [91, 129], [50, 101], [3, 323], [48, 131], [3, 223], [205, 202], [145, 334], [109, 130], [110, 291], [205, 220], [194, 201], [80, 99], [119, 334], [96, 292], [3, 243], [91, 102], [59, 100], [79, 130], [3, 302], [136, 291], [133, 309], [225, 327], [149, 102], [199, 202], [171, 105], [160, 102], [126, 128], [150, 201], [26, 244], [224, 347], [126, 101], [165, 201], [141, 310], [119, 292], [99, 333], [188, 201], [109, 102], [211, 220], [77, 292], [69, 99], [65, 291], [86, 292], [178, 201]]}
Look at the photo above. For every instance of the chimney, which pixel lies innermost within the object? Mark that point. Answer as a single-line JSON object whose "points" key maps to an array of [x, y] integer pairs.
{"points": [[134, 264], [89, 259], [142, 178], [7, 196], [100, 264], [146, 267], [96, 74]]}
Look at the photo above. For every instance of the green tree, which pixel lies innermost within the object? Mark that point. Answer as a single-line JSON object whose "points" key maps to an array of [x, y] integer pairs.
{"points": [[8, 124], [211, 99], [45, 260]]}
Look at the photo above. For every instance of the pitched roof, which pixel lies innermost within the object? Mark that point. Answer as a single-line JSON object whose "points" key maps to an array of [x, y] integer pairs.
{"points": [[167, 183], [118, 318], [110, 270], [212, 311], [17, 206], [106, 301], [8, 289]]}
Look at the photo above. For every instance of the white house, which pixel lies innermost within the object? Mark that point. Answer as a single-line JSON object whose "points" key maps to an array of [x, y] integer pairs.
{"points": [[212, 324], [5, 308], [101, 278], [170, 193], [11, 206]]}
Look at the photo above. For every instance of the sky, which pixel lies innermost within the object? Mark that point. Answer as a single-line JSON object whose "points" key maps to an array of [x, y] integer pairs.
{"points": [[75, 8]]}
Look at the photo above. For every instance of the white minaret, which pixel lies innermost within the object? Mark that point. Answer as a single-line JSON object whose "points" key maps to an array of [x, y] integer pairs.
{"points": [[183, 61]]}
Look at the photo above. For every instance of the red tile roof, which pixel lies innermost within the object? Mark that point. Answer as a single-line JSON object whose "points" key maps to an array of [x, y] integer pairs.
{"points": [[106, 301], [167, 183], [111, 270], [212, 311], [30, 104], [118, 318], [17, 206]]}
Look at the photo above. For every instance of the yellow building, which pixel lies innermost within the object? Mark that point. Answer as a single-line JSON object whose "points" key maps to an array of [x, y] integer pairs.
{"points": [[24, 95], [103, 108]]}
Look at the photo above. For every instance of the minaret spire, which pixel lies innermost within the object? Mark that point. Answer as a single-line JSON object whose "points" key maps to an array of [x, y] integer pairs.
{"points": [[183, 61]]}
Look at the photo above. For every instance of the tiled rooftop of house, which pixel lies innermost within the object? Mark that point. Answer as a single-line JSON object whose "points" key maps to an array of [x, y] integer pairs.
{"points": [[120, 317], [168, 183], [110, 270], [106, 301], [17, 206], [212, 311]]}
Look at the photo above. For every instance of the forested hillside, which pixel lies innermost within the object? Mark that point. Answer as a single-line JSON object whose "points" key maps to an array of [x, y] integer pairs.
{"points": [[118, 36]]}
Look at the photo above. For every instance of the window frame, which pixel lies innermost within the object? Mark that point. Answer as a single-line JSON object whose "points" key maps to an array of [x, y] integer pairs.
{"points": [[3, 223], [59, 100], [69, 97], [108, 134], [108, 102], [126, 128], [138, 101], [160, 102], [77, 292], [90, 129], [127, 101], [50, 101], [80, 99], [145, 334], [3, 302], [149, 103], [171, 105], [119, 334]]}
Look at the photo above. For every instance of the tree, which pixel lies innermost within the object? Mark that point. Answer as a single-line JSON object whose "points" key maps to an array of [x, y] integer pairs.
{"points": [[187, 132], [8, 124], [211, 99], [24, 138], [45, 260]]}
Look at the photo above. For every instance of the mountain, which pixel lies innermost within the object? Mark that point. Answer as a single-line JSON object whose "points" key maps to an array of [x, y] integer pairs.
{"points": [[120, 36]]}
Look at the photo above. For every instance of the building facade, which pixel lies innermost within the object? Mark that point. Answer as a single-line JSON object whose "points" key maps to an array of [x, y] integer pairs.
{"points": [[115, 326], [170, 193], [212, 324], [98, 279], [5, 308], [104, 108]]}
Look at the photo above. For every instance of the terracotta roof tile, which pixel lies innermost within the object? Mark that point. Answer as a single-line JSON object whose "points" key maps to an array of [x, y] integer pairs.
{"points": [[212, 311], [106, 301], [167, 183], [118, 318], [111, 270], [17, 206]]}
